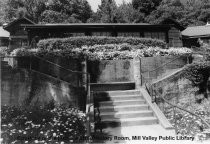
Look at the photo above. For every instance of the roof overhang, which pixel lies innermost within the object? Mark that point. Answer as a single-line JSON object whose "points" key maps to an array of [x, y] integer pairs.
{"points": [[75, 26]]}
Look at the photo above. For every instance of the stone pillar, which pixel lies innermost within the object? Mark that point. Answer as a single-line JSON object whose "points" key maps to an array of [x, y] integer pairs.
{"points": [[137, 72]]}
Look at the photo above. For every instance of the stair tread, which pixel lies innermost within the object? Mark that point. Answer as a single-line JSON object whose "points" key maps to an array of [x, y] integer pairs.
{"points": [[134, 90], [130, 119], [125, 112], [116, 101], [132, 82], [126, 95], [124, 106]]}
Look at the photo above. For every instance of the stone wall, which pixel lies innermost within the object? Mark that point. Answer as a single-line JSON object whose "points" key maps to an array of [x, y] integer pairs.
{"points": [[22, 86]]}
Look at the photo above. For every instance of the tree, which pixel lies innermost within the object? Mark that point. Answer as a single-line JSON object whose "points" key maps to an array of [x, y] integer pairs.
{"points": [[145, 6], [2, 10], [127, 14], [173, 9], [44, 10], [107, 11], [70, 11]]}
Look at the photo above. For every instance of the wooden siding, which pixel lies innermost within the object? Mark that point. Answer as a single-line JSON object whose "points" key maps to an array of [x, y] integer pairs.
{"points": [[174, 38]]}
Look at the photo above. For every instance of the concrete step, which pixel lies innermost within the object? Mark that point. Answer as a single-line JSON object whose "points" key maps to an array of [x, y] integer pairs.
{"points": [[122, 102], [129, 122], [127, 108], [118, 92], [113, 86], [125, 114], [117, 98]]}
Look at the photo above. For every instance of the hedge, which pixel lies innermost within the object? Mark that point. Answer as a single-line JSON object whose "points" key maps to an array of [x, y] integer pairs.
{"points": [[103, 52], [72, 42]]}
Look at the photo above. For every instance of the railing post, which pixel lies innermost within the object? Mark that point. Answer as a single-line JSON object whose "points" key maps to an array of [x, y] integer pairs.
{"points": [[175, 123]]}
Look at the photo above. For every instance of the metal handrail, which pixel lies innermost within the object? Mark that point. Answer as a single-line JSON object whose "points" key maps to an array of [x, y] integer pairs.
{"points": [[79, 72], [173, 105]]}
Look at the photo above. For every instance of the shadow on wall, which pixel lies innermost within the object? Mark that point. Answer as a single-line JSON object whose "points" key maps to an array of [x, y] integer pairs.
{"points": [[21, 86]]}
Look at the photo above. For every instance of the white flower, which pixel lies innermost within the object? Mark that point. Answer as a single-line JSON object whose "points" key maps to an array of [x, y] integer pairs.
{"points": [[54, 134]]}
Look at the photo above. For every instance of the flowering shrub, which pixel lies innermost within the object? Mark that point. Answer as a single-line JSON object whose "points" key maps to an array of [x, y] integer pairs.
{"points": [[107, 52], [198, 73], [72, 42], [4, 51], [45, 124]]}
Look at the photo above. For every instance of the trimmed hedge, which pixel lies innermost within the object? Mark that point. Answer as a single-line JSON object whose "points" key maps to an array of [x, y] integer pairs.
{"points": [[72, 42], [103, 52]]}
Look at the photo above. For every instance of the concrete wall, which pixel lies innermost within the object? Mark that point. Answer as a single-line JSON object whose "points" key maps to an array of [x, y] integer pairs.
{"points": [[151, 63], [19, 86], [124, 70], [111, 71]]}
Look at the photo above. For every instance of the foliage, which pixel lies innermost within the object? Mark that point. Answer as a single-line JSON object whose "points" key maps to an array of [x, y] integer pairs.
{"points": [[70, 11], [68, 43], [107, 11], [42, 124], [4, 51], [104, 52], [146, 6], [31, 9], [186, 123], [198, 73], [127, 14], [188, 12], [43, 11]]}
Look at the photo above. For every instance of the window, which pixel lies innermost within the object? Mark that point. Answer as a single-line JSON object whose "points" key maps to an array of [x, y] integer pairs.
{"points": [[76, 34], [101, 34], [128, 34], [155, 35]]}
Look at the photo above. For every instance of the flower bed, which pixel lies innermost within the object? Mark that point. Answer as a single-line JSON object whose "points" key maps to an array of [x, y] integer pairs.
{"points": [[37, 124], [104, 52], [72, 42]]}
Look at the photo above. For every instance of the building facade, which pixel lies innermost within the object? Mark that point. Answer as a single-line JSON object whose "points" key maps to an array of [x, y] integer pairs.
{"points": [[191, 35], [23, 32], [4, 37]]}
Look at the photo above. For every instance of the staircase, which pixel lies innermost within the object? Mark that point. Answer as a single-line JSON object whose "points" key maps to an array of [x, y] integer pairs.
{"points": [[121, 105]]}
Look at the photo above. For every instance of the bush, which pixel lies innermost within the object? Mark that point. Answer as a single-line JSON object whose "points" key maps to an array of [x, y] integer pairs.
{"points": [[4, 51], [45, 124], [72, 42], [104, 52], [198, 73]]}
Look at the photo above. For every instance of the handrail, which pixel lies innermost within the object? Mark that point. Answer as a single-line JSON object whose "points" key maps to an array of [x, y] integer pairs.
{"points": [[181, 108], [173, 105], [72, 71]]}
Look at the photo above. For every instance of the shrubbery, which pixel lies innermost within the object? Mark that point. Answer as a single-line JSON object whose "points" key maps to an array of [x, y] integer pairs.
{"points": [[104, 52], [4, 51], [37, 124], [72, 42], [198, 73]]}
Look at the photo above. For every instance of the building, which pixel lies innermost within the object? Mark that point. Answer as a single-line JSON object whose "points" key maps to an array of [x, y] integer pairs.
{"points": [[4, 37], [18, 36], [24, 32], [191, 35]]}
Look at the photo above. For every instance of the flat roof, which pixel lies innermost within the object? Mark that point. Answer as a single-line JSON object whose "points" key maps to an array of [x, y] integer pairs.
{"points": [[93, 25], [197, 31], [3, 33]]}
